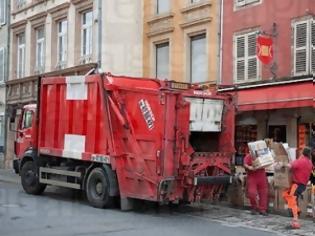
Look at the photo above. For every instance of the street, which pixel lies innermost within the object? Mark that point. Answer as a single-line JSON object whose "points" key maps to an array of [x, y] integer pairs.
{"points": [[64, 212]]}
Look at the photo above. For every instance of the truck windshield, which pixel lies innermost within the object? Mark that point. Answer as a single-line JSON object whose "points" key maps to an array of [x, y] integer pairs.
{"points": [[27, 120]]}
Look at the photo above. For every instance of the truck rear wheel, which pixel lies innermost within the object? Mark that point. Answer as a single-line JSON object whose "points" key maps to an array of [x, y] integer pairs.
{"points": [[30, 180], [97, 189]]}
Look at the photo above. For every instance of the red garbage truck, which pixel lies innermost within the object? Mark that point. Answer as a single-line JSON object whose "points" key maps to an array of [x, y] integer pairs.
{"points": [[128, 138]]}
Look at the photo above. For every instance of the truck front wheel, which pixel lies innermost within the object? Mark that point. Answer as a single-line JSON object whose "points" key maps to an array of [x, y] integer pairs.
{"points": [[30, 180], [97, 189]]}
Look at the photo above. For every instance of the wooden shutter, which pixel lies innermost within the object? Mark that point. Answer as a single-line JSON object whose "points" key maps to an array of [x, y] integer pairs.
{"points": [[313, 46], [240, 43], [252, 58], [301, 42]]}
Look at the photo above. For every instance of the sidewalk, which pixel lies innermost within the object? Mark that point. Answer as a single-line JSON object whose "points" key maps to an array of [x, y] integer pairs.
{"points": [[9, 176]]}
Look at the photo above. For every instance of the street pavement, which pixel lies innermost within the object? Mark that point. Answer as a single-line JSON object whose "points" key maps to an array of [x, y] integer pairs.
{"points": [[66, 212]]}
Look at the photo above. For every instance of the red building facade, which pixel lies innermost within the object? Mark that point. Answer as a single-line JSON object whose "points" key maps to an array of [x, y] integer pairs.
{"points": [[275, 100]]}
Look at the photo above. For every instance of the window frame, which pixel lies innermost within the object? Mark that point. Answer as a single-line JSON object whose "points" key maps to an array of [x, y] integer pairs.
{"points": [[21, 48], [89, 29], [192, 38], [157, 7], [3, 13], [40, 44], [27, 117], [156, 47], [309, 47], [246, 58], [246, 3], [62, 55], [3, 51]]}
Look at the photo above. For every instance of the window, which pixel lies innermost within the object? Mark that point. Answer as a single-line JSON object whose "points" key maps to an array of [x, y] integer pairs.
{"points": [[162, 6], [40, 50], [304, 47], [198, 59], [21, 55], [27, 119], [62, 44], [245, 59], [86, 37], [3, 9], [20, 3], [2, 130], [242, 3], [162, 60], [2, 64]]}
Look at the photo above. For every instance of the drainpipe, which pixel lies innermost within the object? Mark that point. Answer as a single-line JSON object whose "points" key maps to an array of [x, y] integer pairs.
{"points": [[99, 20], [6, 78], [219, 79]]}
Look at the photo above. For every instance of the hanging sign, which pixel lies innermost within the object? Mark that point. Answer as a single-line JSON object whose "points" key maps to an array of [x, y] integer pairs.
{"points": [[264, 49]]}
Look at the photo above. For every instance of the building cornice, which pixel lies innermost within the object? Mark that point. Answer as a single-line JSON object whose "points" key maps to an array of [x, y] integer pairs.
{"points": [[55, 10], [196, 6], [18, 24]]}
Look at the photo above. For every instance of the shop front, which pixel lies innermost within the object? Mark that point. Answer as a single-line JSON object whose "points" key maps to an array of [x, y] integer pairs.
{"points": [[283, 111]]}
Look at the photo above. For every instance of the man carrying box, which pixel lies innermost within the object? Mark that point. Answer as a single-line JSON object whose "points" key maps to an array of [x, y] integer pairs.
{"points": [[257, 184], [301, 170]]}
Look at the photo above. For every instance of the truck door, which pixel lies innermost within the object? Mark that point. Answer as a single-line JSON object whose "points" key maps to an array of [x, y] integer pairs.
{"points": [[24, 134]]}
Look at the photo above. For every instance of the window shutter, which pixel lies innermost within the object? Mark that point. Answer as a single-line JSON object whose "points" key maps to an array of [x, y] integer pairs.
{"points": [[240, 58], [301, 42], [252, 59], [313, 46]]}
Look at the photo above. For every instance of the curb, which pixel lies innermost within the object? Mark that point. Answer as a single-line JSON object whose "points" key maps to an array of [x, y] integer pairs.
{"points": [[9, 177]]}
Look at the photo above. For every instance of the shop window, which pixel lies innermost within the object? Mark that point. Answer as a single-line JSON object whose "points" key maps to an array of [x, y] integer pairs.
{"points": [[243, 135], [306, 135], [246, 65], [278, 133], [304, 47]]}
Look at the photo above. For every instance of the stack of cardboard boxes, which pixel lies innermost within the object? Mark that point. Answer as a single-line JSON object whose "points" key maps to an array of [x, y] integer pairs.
{"points": [[269, 155]]}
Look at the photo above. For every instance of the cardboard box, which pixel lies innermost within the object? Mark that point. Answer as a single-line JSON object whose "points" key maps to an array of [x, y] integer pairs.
{"points": [[263, 161], [282, 178], [258, 148]]}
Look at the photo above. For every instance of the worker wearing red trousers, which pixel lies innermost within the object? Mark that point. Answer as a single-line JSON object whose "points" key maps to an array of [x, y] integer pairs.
{"points": [[301, 170], [257, 185]]}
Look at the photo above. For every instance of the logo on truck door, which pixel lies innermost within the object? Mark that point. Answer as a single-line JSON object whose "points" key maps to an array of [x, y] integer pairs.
{"points": [[147, 113]]}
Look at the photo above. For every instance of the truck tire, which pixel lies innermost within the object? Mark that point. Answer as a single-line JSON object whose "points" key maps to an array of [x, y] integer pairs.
{"points": [[30, 180], [97, 189]]}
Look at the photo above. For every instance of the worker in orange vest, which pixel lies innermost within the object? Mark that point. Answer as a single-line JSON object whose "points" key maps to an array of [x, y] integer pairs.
{"points": [[301, 170]]}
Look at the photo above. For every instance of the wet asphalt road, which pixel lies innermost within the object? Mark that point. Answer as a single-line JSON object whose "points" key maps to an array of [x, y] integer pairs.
{"points": [[64, 212]]}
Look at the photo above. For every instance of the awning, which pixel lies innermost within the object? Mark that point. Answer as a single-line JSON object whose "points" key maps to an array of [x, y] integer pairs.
{"points": [[291, 95]]}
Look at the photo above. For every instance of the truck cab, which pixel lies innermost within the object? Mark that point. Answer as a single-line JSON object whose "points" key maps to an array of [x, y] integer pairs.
{"points": [[26, 131]]}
